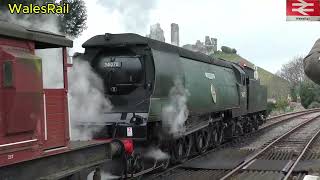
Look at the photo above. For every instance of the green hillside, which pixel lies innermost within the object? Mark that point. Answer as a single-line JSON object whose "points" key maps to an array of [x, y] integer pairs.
{"points": [[277, 87]]}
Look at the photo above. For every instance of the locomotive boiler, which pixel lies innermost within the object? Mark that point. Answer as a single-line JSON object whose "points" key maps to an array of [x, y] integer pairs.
{"points": [[152, 84]]}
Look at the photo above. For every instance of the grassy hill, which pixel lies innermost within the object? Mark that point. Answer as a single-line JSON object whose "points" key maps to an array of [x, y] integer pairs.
{"points": [[277, 87]]}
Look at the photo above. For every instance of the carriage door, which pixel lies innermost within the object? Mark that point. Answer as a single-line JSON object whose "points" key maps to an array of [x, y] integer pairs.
{"points": [[54, 97]]}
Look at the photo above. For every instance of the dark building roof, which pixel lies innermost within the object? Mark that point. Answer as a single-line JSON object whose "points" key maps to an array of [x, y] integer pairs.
{"points": [[127, 39], [42, 39]]}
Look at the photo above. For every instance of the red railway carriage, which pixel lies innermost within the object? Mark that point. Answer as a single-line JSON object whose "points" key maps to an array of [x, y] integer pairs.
{"points": [[34, 118]]}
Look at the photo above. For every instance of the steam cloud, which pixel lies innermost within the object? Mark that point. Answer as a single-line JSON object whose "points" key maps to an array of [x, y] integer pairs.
{"points": [[44, 23], [52, 67], [157, 154], [134, 14], [104, 176], [87, 101], [176, 112]]}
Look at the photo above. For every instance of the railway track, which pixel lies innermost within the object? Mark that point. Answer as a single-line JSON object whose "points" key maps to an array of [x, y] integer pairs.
{"points": [[288, 148], [180, 172]]}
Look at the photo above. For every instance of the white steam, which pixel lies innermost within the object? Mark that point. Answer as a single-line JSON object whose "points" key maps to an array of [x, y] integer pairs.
{"points": [[175, 114], [157, 154], [40, 22], [135, 15], [87, 100], [52, 67], [104, 176]]}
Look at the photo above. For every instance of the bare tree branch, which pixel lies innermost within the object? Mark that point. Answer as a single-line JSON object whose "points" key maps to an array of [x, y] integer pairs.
{"points": [[293, 71]]}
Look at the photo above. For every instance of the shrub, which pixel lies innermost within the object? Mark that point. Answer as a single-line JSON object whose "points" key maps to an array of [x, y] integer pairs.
{"points": [[226, 49], [282, 104], [293, 94], [314, 105], [270, 107]]}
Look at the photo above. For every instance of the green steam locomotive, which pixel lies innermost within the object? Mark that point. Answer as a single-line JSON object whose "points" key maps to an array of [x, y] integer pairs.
{"points": [[181, 101]]}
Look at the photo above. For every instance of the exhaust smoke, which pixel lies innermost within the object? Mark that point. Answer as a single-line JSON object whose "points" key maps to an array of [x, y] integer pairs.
{"points": [[87, 100], [157, 154], [176, 112], [135, 15]]}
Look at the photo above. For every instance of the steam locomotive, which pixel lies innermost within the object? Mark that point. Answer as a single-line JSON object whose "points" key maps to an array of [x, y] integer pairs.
{"points": [[312, 63], [145, 80]]}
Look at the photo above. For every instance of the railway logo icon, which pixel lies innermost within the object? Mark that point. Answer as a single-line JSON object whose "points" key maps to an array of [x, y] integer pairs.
{"points": [[303, 10], [304, 7]]}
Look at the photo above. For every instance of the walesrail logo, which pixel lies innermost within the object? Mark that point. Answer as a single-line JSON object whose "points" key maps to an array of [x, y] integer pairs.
{"points": [[303, 10], [49, 8]]}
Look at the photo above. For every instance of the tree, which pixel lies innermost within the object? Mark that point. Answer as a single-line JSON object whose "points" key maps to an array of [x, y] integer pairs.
{"points": [[71, 24], [234, 51], [74, 23], [293, 71]]}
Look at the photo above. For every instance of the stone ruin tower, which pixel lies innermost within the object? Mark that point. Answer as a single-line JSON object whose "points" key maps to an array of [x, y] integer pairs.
{"points": [[156, 33], [175, 34]]}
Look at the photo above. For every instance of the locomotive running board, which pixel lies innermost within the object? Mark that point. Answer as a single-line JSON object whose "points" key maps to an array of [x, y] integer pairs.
{"points": [[199, 125]]}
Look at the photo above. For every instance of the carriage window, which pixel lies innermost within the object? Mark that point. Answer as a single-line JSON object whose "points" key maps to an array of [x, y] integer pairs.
{"points": [[7, 74], [52, 67]]}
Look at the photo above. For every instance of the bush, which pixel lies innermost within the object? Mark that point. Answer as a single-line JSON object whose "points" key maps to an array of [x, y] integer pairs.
{"points": [[314, 105], [293, 94], [282, 104], [226, 49], [270, 107], [234, 51]]}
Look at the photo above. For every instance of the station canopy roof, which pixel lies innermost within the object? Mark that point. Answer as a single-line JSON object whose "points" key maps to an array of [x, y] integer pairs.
{"points": [[42, 39]]}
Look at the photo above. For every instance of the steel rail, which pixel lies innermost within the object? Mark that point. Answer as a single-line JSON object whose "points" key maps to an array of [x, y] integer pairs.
{"points": [[251, 158], [301, 155], [292, 113], [302, 113]]}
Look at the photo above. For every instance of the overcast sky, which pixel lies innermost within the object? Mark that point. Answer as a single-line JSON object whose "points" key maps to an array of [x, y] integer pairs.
{"points": [[256, 28]]}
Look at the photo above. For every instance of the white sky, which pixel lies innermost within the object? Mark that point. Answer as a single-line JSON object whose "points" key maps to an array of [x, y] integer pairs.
{"points": [[256, 28]]}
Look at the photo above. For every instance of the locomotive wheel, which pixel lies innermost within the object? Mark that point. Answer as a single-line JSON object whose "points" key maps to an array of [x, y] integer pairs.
{"points": [[165, 164], [214, 137], [207, 138], [202, 141], [179, 151], [248, 126], [220, 136], [239, 129], [255, 123], [135, 164], [260, 120], [188, 145]]}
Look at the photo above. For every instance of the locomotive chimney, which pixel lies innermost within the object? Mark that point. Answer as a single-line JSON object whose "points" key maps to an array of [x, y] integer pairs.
{"points": [[175, 34]]}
